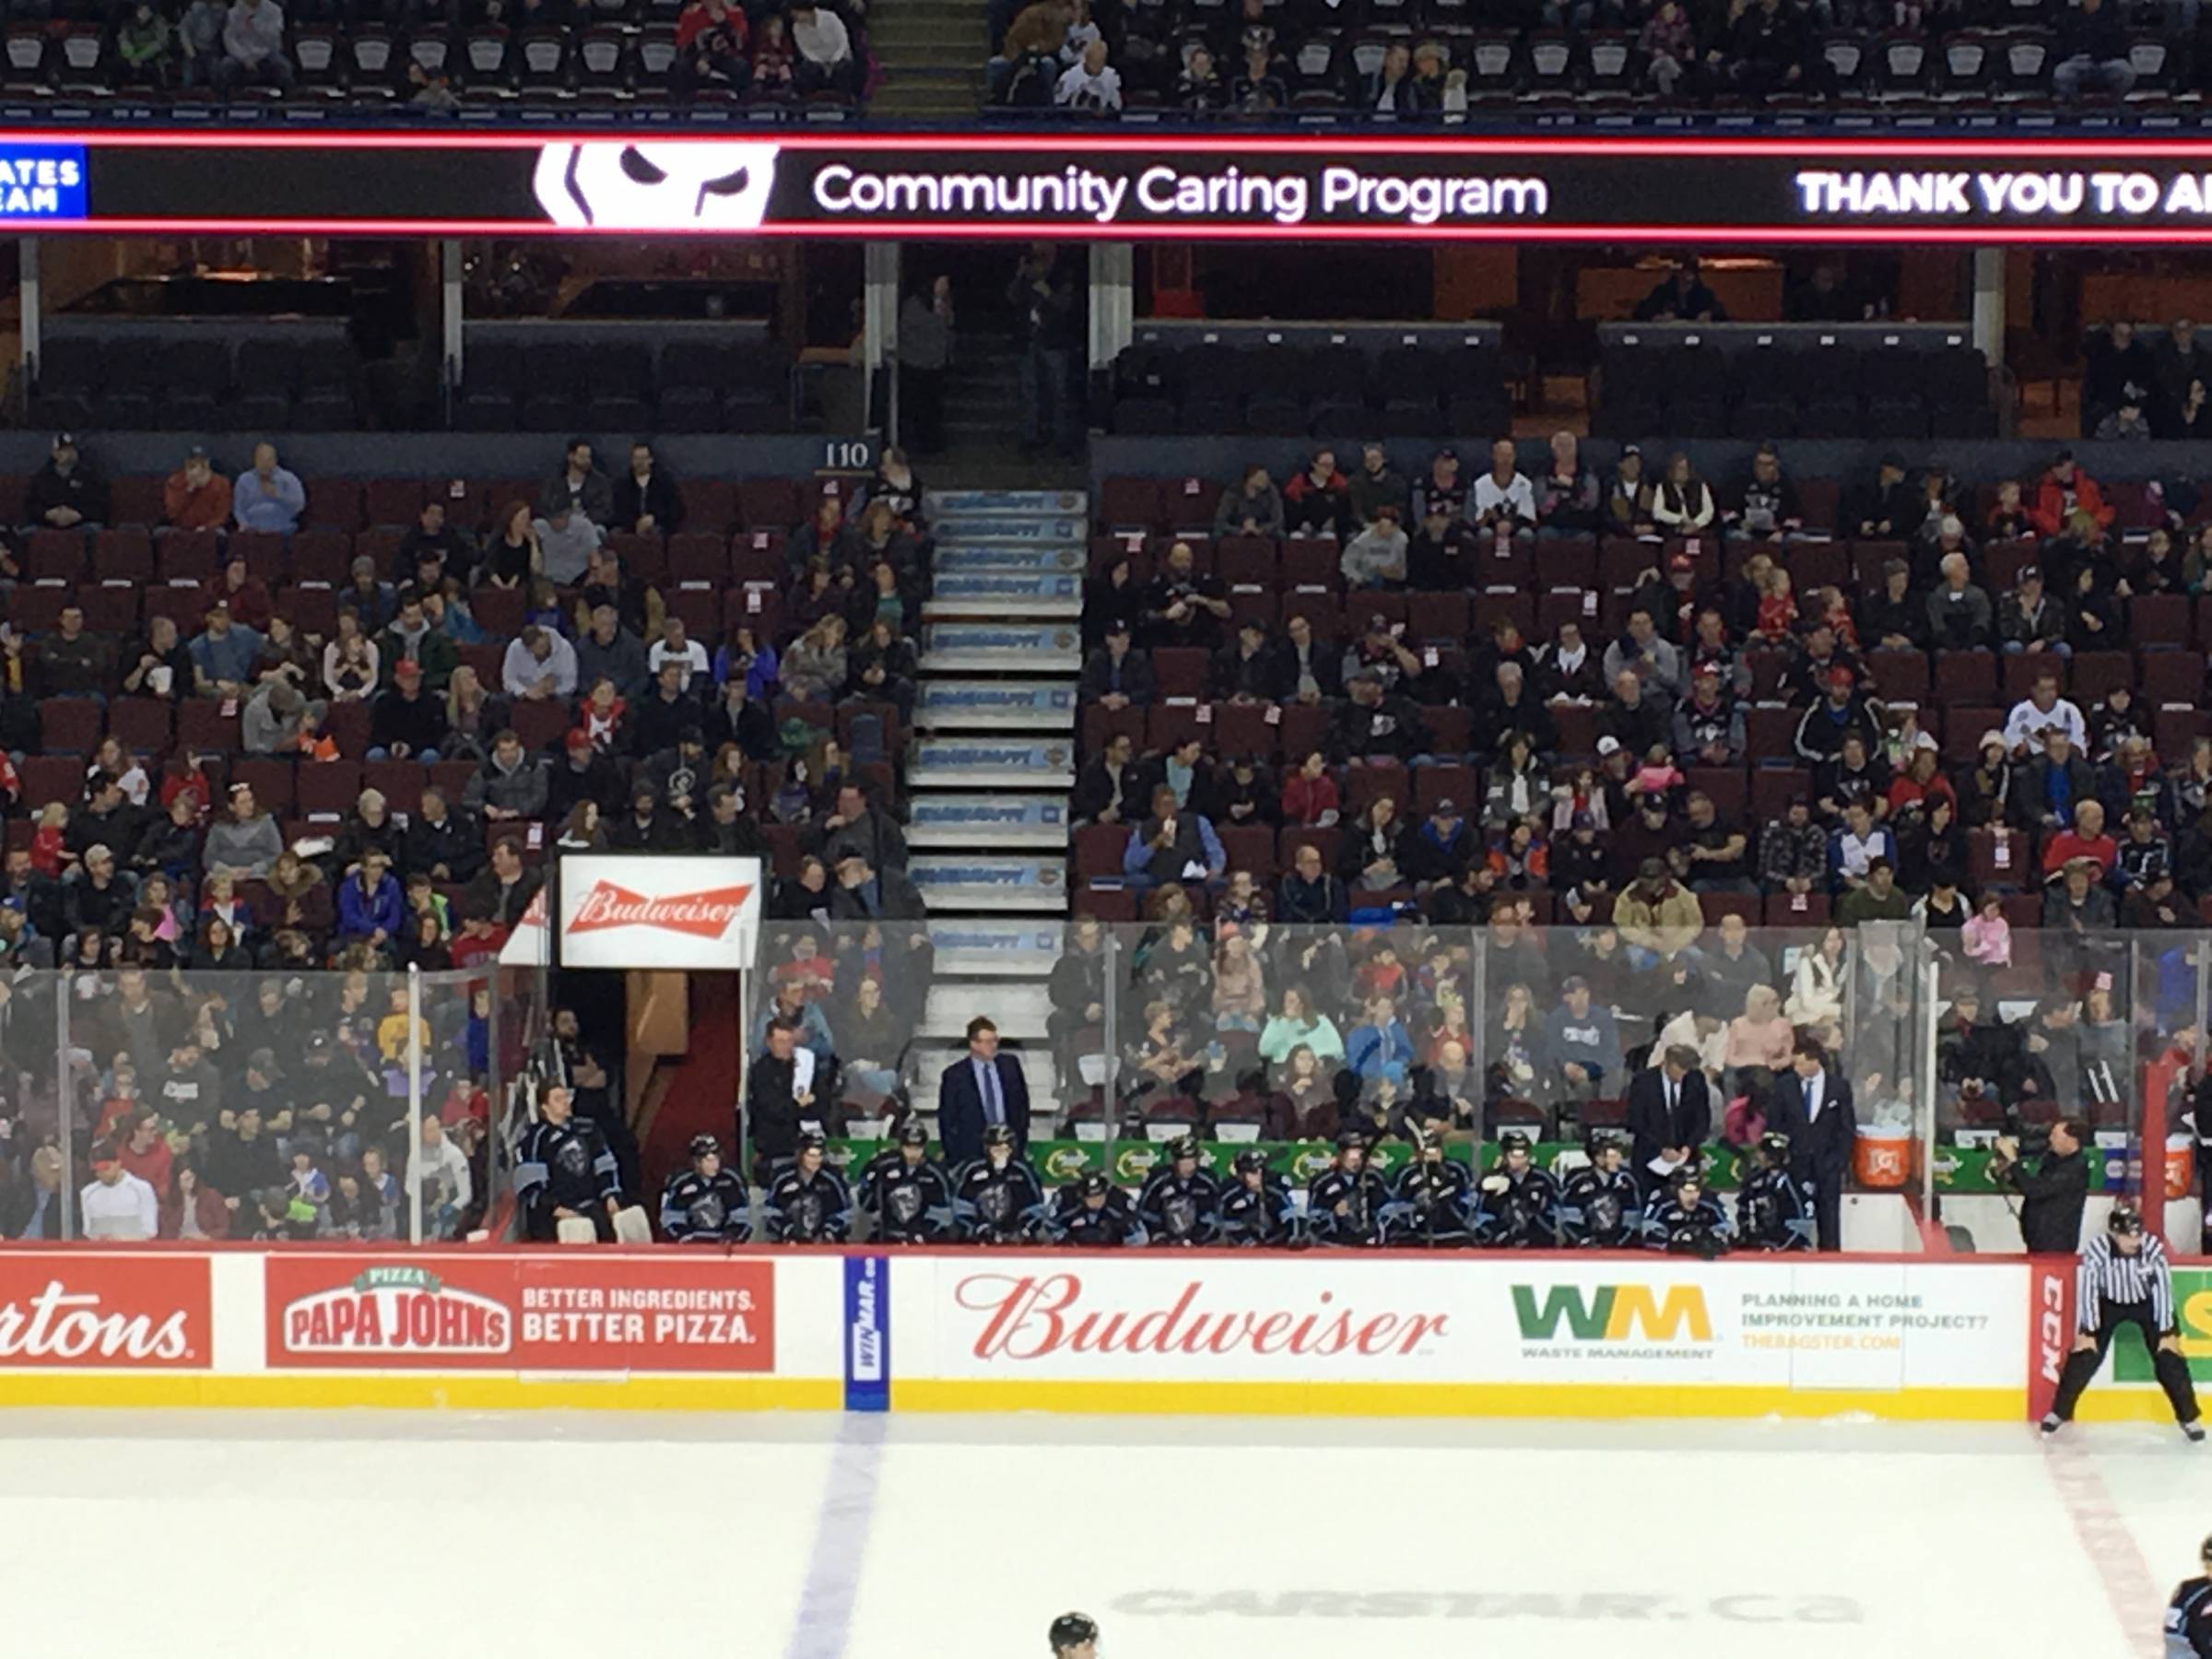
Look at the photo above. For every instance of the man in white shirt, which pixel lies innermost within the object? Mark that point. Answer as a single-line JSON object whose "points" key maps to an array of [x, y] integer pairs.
{"points": [[2042, 709], [673, 646], [443, 1171], [825, 51], [1503, 500], [1092, 85], [538, 666], [116, 1203]]}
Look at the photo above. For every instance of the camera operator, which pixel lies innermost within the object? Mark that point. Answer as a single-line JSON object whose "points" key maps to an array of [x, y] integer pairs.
{"points": [[2054, 1193], [2124, 1278]]}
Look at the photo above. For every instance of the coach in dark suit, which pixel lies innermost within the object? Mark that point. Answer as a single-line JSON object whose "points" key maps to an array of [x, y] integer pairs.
{"points": [[1670, 1114], [986, 1088], [1812, 1106]]}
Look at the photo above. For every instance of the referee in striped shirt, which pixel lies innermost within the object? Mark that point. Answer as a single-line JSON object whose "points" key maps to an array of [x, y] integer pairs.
{"points": [[2124, 1278]]}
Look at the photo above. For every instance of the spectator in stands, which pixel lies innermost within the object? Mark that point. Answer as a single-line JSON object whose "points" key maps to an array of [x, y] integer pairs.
{"points": [[1567, 495], [1374, 724], [223, 654], [2062, 490], [196, 496], [1856, 844], [710, 51], [610, 652], [1681, 297], [2086, 840], [1895, 618], [245, 844], [1173, 844], [2027, 621], [1793, 851], [1682, 505], [1253, 507], [253, 47], [1841, 712], [1581, 1041], [1182, 608], [825, 52], [1709, 722], [1502, 503], [1443, 490], [71, 662], [1377, 485], [274, 719], [577, 487], [2091, 54], [503, 889], [405, 724], [432, 539], [1627, 508], [867, 892], [1765, 505], [371, 905], [267, 497], [566, 540], [1316, 500], [1377, 556], [1102, 794], [410, 638], [2041, 712], [854, 823], [1959, 613], [65, 493], [540, 666], [1309, 895], [2127, 423], [2181, 370], [1655, 661], [142, 41], [510, 784], [1091, 86], [1669, 45]]}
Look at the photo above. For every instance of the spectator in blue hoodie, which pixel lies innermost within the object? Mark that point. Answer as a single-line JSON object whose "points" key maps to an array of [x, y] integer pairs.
{"points": [[1382, 1047], [1439, 847], [1582, 1042], [372, 905]]}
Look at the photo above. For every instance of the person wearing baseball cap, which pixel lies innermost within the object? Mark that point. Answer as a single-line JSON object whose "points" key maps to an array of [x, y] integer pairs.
{"points": [[196, 497], [1443, 490], [1840, 712], [65, 493]]}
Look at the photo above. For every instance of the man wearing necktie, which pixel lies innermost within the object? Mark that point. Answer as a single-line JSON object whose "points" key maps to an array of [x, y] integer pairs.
{"points": [[1813, 1107], [1670, 1115], [980, 1091]]}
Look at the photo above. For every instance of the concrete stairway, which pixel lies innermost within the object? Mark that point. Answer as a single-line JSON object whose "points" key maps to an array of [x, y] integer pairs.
{"points": [[932, 53]]}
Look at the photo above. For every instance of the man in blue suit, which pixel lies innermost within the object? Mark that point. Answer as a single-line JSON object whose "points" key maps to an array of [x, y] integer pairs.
{"points": [[1812, 1106], [986, 1088]]}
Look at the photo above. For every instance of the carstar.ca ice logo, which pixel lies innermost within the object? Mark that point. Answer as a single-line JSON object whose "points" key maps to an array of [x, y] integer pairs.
{"points": [[705, 915], [674, 184]]}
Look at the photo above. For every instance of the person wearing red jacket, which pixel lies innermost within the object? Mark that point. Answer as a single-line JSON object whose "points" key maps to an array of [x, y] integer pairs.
{"points": [[2065, 489], [1318, 500], [710, 48]]}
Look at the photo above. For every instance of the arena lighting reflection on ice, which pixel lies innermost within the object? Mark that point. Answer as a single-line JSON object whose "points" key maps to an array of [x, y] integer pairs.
{"points": [[1168, 193]]}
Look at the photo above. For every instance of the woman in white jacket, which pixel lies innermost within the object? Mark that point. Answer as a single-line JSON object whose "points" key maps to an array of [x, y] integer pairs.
{"points": [[1817, 987], [1682, 505]]}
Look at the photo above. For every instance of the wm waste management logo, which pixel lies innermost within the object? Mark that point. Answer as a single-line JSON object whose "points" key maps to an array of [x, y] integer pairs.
{"points": [[398, 1310], [613, 184], [1620, 1321]]}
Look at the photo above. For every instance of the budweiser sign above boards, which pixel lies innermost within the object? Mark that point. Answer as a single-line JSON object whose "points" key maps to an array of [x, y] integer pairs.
{"points": [[649, 913], [87, 1309], [562, 1312]]}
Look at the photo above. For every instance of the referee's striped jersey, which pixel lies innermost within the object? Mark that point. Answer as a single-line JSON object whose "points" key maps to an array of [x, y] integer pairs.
{"points": [[2105, 1276]]}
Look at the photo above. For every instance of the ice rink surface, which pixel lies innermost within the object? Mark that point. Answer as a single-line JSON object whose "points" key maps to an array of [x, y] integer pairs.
{"points": [[127, 1535]]}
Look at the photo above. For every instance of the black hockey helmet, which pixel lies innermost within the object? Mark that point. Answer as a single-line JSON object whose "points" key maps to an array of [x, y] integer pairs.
{"points": [[814, 1143], [1513, 1140], [1774, 1144], [1183, 1146], [1251, 1162], [1425, 1139], [914, 1134], [1073, 1629], [1599, 1138], [2125, 1220], [704, 1146], [1684, 1175], [998, 1134], [1351, 1140], [1093, 1185]]}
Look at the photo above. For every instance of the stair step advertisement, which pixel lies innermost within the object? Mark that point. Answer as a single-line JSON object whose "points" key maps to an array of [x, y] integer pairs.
{"points": [[1018, 504], [981, 763], [981, 881], [1021, 1012], [1020, 561], [997, 705], [1007, 584], [1013, 531], [953, 821], [958, 647], [979, 947]]}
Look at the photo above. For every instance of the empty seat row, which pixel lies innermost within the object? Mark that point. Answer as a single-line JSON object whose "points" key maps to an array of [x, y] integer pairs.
{"points": [[688, 386], [130, 383]]}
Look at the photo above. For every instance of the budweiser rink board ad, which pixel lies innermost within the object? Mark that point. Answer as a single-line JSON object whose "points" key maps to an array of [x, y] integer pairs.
{"points": [[648, 913], [565, 1313], [89, 1310], [1317, 1319]]}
